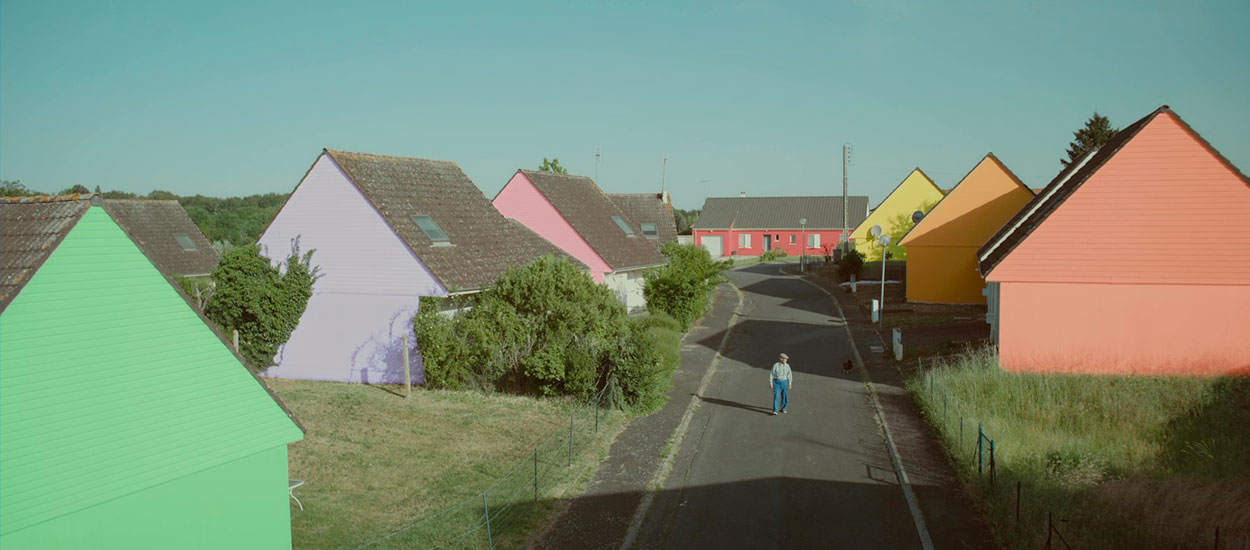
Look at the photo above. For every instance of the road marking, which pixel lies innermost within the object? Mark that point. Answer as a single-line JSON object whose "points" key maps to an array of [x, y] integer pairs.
{"points": [[641, 513], [921, 530]]}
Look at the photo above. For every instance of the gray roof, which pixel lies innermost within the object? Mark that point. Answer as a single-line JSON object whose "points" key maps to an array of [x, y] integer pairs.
{"points": [[590, 212], [640, 208], [780, 212], [484, 244], [30, 228], [152, 225]]}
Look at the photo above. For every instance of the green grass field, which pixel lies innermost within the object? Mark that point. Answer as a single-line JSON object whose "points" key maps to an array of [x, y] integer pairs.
{"points": [[1124, 462], [377, 463]]}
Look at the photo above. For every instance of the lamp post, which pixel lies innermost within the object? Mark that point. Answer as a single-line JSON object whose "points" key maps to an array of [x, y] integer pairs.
{"points": [[803, 246], [885, 241]]}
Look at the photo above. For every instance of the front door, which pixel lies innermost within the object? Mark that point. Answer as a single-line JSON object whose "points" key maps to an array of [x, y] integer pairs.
{"points": [[768, 243]]}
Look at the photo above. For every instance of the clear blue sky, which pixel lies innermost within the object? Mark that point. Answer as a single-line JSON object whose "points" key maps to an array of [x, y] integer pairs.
{"points": [[224, 98]]}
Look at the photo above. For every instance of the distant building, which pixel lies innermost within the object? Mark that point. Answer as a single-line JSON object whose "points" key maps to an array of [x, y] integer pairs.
{"points": [[912, 194], [387, 230], [942, 248], [650, 213], [575, 215], [166, 234], [750, 226], [126, 421], [1081, 282]]}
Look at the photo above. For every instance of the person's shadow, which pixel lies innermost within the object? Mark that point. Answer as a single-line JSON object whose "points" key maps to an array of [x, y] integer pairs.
{"points": [[724, 403]]}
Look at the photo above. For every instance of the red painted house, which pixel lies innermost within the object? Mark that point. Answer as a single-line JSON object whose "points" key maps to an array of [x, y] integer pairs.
{"points": [[1136, 259], [749, 226]]}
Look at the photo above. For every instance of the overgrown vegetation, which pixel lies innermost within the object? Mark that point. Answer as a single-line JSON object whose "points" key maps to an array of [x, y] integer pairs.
{"points": [[852, 263], [1083, 446], [772, 255], [546, 328], [680, 288], [262, 301]]}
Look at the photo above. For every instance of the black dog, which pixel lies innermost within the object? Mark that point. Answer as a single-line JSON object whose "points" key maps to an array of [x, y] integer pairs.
{"points": [[847, 366]]}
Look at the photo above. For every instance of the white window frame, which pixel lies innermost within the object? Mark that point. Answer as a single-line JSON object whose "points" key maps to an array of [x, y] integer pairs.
{"points": [[744, 240], [793, 239], [813, 240]]}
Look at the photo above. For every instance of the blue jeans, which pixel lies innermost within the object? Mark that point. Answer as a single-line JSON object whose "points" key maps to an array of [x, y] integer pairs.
{"points": [[780, 391]]}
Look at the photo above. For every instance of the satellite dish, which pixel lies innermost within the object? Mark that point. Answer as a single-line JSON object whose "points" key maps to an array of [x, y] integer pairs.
{"points": [[917, 216], [875, 231], [802, 221], [885, 240]]}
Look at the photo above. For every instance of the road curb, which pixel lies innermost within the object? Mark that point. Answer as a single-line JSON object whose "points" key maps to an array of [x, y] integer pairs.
{"points": [[912, 504]]}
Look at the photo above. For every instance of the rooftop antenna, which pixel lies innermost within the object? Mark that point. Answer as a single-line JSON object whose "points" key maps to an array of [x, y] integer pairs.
{"points": [[846, 159], [663, 169], [596, 165]]}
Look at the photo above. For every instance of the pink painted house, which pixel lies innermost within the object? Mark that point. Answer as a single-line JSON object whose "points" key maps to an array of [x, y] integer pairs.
{"points": [[1081, 280], [750, 226], [575, 215], [386, 231]]}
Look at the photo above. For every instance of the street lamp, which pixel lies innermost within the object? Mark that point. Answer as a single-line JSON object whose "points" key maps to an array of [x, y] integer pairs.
{"points": [[885, 241], [803, 246]]}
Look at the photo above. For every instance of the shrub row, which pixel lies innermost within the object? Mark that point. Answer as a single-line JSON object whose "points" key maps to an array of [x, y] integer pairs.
{"points": [[681, 287]]}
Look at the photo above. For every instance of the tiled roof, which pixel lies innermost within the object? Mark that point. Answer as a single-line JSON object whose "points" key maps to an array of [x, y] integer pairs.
{"points": [[1069, 179], [590, 212], [643, 208], [780, 212], [152, 225], [483, 243], [30, 228]]}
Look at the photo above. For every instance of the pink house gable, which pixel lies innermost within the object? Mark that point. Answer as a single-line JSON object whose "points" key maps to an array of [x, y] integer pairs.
{"points": [[521, 201]]}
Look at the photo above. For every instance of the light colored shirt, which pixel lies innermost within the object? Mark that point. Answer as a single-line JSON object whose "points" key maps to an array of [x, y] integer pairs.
{"points": [[780, 371]]}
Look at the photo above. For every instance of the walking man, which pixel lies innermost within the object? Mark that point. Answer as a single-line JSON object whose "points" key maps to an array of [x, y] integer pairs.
{"points": [[779, 379]]}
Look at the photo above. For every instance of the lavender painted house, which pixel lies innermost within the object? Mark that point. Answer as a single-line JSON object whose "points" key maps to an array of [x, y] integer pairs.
{"points": [[386, 230], [575, 215]]}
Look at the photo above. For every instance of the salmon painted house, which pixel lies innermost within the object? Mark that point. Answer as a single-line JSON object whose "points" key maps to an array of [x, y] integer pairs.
{"points": [[750, 226], [1084, 283]]}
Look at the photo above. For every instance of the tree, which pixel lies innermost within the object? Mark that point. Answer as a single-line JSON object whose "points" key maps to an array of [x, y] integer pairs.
{"points": [[685, 220], [77, 189], [680, 288], [14, 188], [1096, 132], [552, 166], [262, 301], [900, 224]]}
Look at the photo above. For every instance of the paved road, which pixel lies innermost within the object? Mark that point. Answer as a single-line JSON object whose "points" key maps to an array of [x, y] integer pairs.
{"points": [[818, 477]]}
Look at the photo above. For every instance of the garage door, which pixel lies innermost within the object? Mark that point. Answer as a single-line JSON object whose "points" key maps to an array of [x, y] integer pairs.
{"points": [[712, 244]]}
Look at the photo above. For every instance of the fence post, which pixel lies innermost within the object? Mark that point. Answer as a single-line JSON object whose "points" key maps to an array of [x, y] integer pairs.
{"points": [[570, 439], [1050, 528], [597, 412], [992, 469], [930, 383], [943, 409], [407, 375], [961, 432], [1017, 505], [980, 457], [236, 340], [536, 475], [490, 540]]}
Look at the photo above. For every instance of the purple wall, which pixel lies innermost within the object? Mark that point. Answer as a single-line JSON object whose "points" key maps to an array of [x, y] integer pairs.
{"points": [[369, 288]]}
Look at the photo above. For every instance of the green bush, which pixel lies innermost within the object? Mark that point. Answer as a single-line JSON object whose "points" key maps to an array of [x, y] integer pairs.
{"points": [[262, 301], [852, 263], [772, 254], [546, 328], [681, 287]]}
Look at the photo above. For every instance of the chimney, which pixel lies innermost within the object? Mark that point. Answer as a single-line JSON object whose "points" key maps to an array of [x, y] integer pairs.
{"points": [[742, 194], [666, 198]]}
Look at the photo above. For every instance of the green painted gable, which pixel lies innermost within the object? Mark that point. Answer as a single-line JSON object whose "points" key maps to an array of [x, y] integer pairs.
{"points": [[110, 384]]}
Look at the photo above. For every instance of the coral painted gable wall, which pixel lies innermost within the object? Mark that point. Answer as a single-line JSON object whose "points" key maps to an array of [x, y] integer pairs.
{"points": [[942, 248], [913, 192], [523, 202], [369, 289], [1148, 207]]}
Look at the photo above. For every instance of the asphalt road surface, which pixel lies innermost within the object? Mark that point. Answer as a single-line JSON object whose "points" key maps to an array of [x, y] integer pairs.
{"points": [[817, 477]]}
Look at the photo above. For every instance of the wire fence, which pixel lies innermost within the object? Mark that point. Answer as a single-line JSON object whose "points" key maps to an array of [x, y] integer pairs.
{"points": [[485, 517], [1030, 510]]}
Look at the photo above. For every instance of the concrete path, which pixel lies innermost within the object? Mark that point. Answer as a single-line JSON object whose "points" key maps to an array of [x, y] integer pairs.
{"points": [[818, 477]]}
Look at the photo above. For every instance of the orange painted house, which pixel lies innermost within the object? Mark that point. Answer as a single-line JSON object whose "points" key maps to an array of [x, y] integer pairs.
{"points": [[1088, 283], [942, 248]]}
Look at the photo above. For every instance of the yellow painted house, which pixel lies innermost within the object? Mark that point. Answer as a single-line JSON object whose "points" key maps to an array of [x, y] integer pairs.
{"points": [[942, 248], [914, 193]]}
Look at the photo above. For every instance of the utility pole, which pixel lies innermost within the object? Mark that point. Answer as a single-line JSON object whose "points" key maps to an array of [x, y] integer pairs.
{"points": [[663, 169], [596, 165], [845, 207]]}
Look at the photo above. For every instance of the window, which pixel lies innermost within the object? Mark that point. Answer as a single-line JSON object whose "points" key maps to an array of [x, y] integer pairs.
{"points": [[431, 229], [792, 239], [624, 226], [744, 240], [650, 231], [184, 241], [813, 240]]}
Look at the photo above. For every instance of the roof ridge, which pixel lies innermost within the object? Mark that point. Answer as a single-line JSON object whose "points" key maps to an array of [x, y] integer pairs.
{"points": [[36, 199], [333, 152]]}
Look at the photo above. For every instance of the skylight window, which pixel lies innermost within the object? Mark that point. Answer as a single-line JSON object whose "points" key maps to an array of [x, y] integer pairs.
{"points": [[624, 226], [431, 229], [185, 242], [650, 230]]}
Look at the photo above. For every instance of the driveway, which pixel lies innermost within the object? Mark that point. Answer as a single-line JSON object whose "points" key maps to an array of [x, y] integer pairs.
{"points": [[818, 477]]}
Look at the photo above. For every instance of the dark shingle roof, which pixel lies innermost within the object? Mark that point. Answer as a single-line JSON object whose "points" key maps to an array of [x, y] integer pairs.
{"points": [[780, 212], [641, 208], [590, 212], [1069, 179], [30, 228], [483, 243], [152, 225]]}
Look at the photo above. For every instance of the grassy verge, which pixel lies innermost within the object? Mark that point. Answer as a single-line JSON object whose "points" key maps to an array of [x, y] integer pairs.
{"points": [[378, 464], [1117, 462]]}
